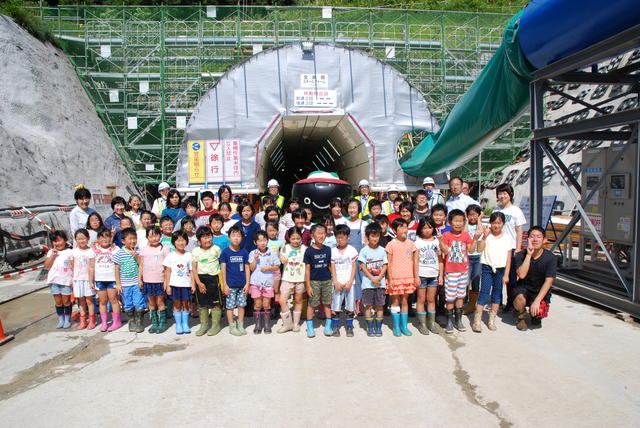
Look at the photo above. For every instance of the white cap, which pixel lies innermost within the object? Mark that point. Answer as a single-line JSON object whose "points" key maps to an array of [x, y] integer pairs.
{"points": [[363, 183], [393, 188], [162, 186], [273, 183], [428, 180]]}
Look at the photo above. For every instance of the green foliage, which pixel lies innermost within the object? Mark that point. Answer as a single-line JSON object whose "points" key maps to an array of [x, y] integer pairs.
{"points": [[27, 20]]}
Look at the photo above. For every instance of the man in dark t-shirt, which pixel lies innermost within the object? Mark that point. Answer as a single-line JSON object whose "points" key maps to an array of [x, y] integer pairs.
{"points": [[536, 270]]}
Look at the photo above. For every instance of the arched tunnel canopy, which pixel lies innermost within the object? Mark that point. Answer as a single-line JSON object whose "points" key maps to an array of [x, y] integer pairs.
{"points": [[296, 110]]}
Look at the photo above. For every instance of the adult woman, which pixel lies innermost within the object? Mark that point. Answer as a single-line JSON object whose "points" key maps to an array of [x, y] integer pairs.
{"points": [[134, 210], [174, 206], [225, 195]]}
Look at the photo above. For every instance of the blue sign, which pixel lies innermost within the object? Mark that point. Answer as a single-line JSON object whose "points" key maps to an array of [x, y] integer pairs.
{"points": [[195, 147]]}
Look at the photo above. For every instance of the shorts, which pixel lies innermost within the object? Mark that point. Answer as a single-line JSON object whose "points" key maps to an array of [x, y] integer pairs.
{"points": [[287, 288], [530, 295], [321, 290], [132, 297], [257, 291], [348, 298], [65, 290], [428, 282], [83, 289], [455, 285], [153, 289], [373, 296], [212, 296], [180, 293], [104, 285], [236, 298]]}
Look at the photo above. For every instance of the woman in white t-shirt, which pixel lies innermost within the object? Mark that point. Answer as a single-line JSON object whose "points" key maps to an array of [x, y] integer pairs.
{"points": [[495, 249]]}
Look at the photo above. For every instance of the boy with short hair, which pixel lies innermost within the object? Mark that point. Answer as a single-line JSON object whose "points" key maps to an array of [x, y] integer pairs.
{"points": [[216, 223], [202, 216], [373, 263], [267, 201], [127, 284], [234, 262], [456, 246], [166, 225], [205, 265], [343, 273], [383, 221], [375, 209], [318, 278]]}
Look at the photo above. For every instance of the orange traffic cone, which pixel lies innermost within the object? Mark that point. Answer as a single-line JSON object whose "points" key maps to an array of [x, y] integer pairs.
{"points": [[4, 339]]}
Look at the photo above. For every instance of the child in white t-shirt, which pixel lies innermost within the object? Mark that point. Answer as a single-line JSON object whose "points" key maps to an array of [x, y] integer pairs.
{"points": [[177, 280], [343, 274], [82, 289], [431, 272], [292, 257], [60, 276], [102, 275]]}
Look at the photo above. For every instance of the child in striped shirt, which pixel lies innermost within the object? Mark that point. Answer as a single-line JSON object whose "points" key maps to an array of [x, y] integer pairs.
{"points": [[127, 281]]}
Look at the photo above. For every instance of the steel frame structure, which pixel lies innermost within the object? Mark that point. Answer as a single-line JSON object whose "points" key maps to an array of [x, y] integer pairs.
{"points": [[161, 60], [582, 67]]}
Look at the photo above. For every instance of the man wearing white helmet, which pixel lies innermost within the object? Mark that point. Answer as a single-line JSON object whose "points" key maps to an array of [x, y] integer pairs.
{"points": [[392, 193], [433, 195], [273, 189], [161, 203], [364, 197]]}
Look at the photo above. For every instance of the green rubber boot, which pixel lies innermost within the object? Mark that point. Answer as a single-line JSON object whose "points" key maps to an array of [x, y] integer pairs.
{"points": [[131, 321], [216, 316], [139, 316], [233, 329], [422, 322], [203, 314], [240, 327], [162, 322], [154, 321]]}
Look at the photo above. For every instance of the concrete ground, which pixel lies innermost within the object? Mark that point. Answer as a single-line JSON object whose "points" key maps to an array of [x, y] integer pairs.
{"points": [[578, 370]]}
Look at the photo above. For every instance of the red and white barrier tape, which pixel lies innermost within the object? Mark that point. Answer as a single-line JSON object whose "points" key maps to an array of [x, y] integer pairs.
{"points": [[20, 272]]}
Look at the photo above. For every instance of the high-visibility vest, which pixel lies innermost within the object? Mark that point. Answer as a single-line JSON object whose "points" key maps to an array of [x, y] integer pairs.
{"points": [[280, 201], [365, 210]]}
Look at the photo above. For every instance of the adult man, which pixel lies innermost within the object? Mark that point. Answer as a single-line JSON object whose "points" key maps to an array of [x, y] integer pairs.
{"points": [[536, 268], [161, 203], [364, 197], [422, 208], [273, 190], [458, 200], [392, 193], [433, 195]]}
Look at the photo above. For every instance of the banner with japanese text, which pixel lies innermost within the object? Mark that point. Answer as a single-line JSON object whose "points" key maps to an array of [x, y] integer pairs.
{"points": [[197, 172]]}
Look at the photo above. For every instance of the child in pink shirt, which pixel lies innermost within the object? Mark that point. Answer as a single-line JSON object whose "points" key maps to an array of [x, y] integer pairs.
{"points": [[151, 278]]}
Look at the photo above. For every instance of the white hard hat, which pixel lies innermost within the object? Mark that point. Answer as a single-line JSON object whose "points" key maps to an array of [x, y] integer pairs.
{"points": [[162, 186], [363, 183], [393, 188], [428, 180], [273, 183]]}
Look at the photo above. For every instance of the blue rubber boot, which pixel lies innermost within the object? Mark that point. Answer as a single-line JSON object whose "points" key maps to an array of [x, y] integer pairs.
{"points": [[378, 329], [311, 332], [404, 320], [396, 325], [185, 322], [328, 329], [371, 332], [60, 321], [177, 316]]}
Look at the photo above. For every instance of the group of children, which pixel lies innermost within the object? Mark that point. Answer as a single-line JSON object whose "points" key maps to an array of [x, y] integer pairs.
{"points": [[344, 263]]}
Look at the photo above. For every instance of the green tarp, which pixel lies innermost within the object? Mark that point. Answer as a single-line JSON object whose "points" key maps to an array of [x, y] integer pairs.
{"points": [[494, 101]]}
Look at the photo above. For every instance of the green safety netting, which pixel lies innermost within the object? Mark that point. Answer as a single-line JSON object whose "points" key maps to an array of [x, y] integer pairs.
{"points": [[496, 99]]}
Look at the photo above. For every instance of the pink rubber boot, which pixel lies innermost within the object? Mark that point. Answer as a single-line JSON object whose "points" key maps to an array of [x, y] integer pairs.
{"points": [[104, 318], [116, 324]]}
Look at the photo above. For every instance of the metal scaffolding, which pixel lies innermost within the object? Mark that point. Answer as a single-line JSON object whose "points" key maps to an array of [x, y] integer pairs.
{"points": [[145, 68]]}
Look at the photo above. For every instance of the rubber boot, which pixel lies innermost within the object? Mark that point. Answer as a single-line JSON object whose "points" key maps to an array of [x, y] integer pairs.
{"points": [[266, 321], [476, 326], [185, 322], [131, 320], [67, 318], [349, 327], [92, 322], [458, 320], [257, 319], [432, 325], [404, 321], [296, 321], [216, 315], [328, 327], [371, 332], [397, 332], [240, 327], [203, 314], [449, 327], [162, 322], [177, 316], [491, 325], [378, 326], [335, 326], [471, 303], [83, 322], [139, 320], [61, 321], [287, 324], [153, 314], [116, 322], [104, 319], [311, 332], [422, 322]]}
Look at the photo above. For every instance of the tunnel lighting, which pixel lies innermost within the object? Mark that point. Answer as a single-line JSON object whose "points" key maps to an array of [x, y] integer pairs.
{"points": [[307, 46]]}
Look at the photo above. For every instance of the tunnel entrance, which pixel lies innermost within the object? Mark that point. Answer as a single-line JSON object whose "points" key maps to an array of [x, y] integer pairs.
{"points": [[298, 145]]}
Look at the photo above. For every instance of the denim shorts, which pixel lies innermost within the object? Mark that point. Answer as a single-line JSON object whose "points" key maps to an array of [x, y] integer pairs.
{"points": [[65, 290], [236, 298], [103, 285], [428, 282], [181, 293]]}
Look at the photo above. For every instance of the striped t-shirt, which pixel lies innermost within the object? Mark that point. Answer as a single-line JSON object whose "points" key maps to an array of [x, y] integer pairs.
{"points": [[128, 267]]}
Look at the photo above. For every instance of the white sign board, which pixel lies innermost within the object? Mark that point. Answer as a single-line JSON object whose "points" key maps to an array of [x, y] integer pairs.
{"points": [[212, 12], [114, 96], [326, 12], [132, 123], [310, 80], [105, 51], [390, 51], [181, 122], [256, 49], [313, 98], [548, 203], [144, 87], [223, 161]]}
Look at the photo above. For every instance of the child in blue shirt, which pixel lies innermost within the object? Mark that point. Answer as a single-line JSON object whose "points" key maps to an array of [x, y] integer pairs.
{"points": [[318, 278], [373, 263], [248, 226], [234, 264], [216, 222]]}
